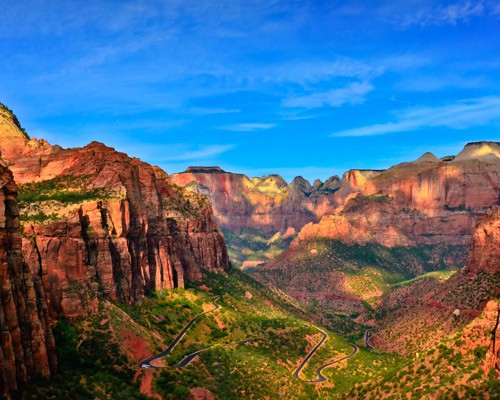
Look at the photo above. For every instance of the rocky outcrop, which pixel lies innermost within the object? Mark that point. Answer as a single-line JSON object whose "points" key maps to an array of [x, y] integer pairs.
{"points": [[424, 202], [268, 203], [97, 222], [410, 219], [27, 346], [484, 252]]}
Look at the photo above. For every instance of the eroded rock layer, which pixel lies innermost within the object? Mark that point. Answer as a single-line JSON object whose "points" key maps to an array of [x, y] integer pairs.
{"points": [[424, 202], [27, 346], [268, 203]]}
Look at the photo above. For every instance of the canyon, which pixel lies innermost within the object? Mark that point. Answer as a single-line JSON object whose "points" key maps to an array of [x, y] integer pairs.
{"points": [[93, 223], [100, 246], [413, 218]]}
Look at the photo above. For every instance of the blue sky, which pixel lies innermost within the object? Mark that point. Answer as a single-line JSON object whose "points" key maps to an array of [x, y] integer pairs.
{"points": [[309, 88]]}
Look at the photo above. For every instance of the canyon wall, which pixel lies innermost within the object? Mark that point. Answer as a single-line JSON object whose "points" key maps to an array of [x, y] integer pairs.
{"points": [[424, 202], [97, 222], [268, 203], [27, 346]]}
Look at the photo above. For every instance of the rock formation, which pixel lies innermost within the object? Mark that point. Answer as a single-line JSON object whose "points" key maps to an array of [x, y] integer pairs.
{"points": [[27, 345], [427, 201], [412, 218], [97, 222], [484, 252], [267, 203]]}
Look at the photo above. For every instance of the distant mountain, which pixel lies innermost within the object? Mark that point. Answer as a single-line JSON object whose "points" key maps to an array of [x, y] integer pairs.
{"points": [[266, 212], [413, 218]]}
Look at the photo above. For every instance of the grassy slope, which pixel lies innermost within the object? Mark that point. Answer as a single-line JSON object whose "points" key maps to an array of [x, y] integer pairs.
{"points": [[360, 275], [456, 367], [99, 355]]}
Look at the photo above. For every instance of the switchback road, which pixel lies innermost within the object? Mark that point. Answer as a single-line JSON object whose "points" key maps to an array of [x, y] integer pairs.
{"points": [[147, 362], [319, 375]]}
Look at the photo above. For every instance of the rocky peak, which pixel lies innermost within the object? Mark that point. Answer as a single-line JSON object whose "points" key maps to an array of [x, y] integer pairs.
{"points": [[427, 157], [483, 151], [332, 183], [205, 170], [301, 184], [9, 124]]}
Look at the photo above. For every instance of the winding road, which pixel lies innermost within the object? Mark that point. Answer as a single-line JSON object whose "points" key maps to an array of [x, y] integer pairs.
{"points": [[190, 357], [147, 362], [319, 375]]}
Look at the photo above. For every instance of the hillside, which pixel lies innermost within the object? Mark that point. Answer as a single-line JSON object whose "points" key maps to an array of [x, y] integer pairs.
{"points": [[408, 220], [255, 341]]}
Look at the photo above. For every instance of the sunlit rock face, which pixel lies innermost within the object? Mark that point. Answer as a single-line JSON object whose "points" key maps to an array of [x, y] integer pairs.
{"points": [[27, 346], [484, 253], [97, 222], [412, 218], [424, 202], [268, 203]]}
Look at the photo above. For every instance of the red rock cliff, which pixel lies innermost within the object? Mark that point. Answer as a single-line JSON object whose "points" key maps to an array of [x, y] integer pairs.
{"points": [[484, 253], [427, 201], [100, 222], [266, 203], [27, 345]]}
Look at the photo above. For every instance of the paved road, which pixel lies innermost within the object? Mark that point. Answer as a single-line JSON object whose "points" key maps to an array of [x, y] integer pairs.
{"points": [[147, 362], [319, 375], [311, 353]]}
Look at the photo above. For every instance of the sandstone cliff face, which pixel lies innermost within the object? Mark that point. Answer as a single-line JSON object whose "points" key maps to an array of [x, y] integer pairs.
{"points": [[484, 252], [424, 202], [266, 203], [100, 222], [27, 345], [418, 315]]}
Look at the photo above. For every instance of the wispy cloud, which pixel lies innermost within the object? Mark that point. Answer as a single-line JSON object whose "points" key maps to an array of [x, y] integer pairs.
{"points": [[311, 71], [447, 15], [201, 153], [212, 111], [175, 152], [249, 127], [459, 115], [352, 94]]}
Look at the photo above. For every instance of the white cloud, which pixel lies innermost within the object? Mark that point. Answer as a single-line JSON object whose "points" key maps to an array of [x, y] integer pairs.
{"points": [[310, 71], [353, 93], [201, 153], [459, 115], [446, 15], [249, 127]]}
